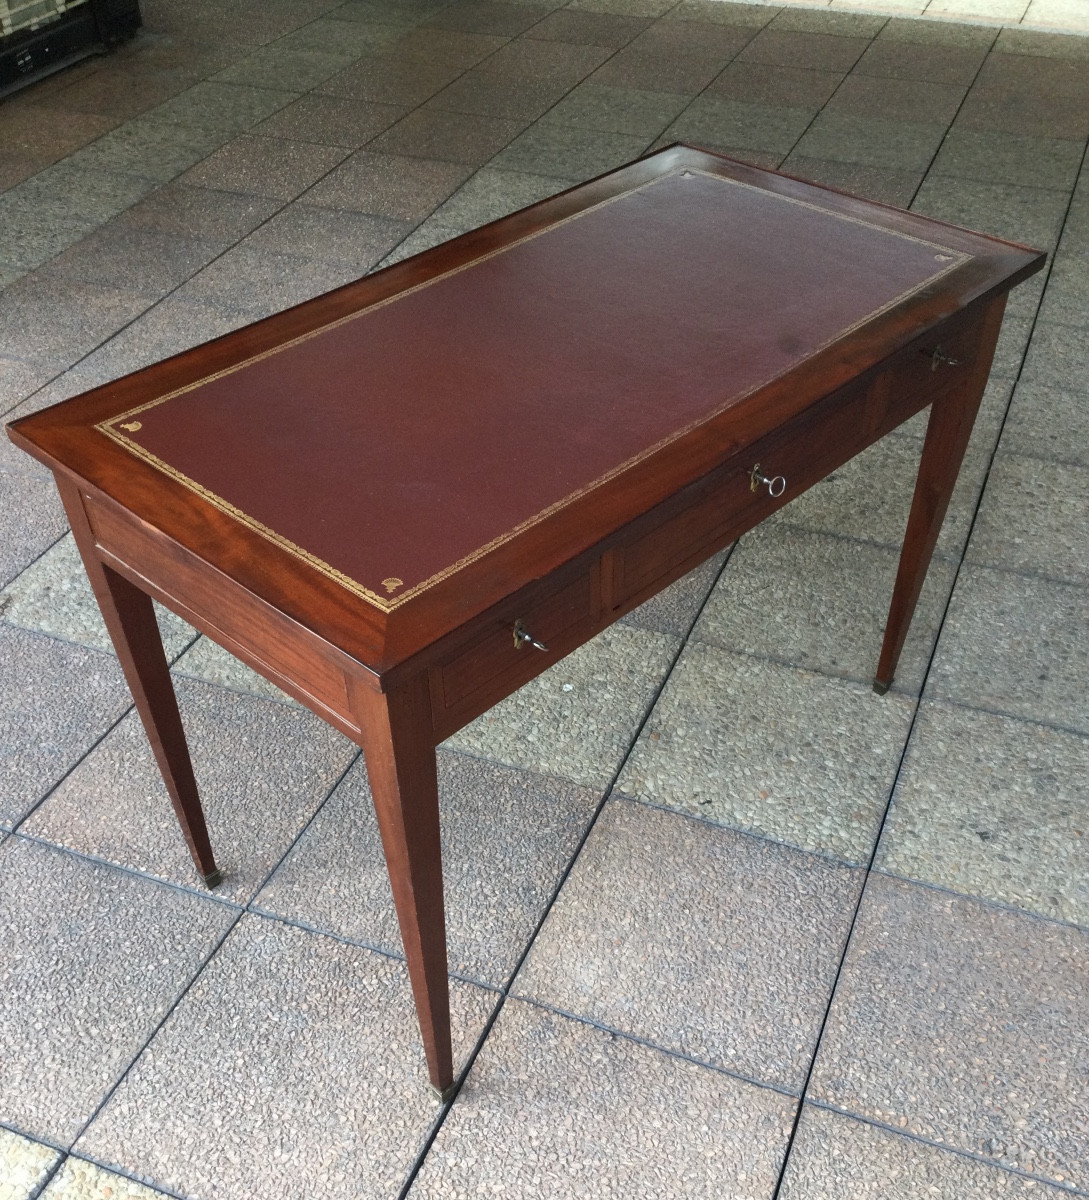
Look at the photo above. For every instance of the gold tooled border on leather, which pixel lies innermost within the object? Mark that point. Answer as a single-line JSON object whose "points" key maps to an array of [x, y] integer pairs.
{"points": [[387, 604]]}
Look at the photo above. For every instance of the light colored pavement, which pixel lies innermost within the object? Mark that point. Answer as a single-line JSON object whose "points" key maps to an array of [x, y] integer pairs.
{"points": [[723, 922]]}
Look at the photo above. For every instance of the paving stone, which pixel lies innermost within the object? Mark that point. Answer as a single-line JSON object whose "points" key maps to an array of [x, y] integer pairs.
{"points": [[872, 183], [1066, 300], [453, 136], [18, 380], [76, 191], [718, 122], [273, 167], [1058, 358], [407, 189], [1030, 215], [696, 939], [92, 960], [633, 111], [570, 152], [673, 610], [820, 602], [1033, 518], [547, 1112], [776, 87], [993, 807], [454, 48], [674, 56], [262, 769], [507, 837], [814, 51], [358, 239], [787, 754], [938, 33], [487, 17], [889, 58], [1047, 423], [24, 1165], [1027, 111], [624, 8], [839, 1158], [1015, 644], [423, 237], [218, 217], [743, 14], [527, 61], [488, 95], [33, 236], [891, 145], [32, 520], [587, 28], [1044, 45], [869, 498], [578, 718], [53, 596], [330, 120], [209, 662], [230, 107], [396, 81], [920, 101], [291, 68], [1008, 158], [81, 1180], [492, 193], [320, 1085], [965, 1025], [153, 146], [839, 24]]}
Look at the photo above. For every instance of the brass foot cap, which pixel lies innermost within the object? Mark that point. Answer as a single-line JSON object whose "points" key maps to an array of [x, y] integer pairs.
{"points": [[213, 878], [881, 688], [444, 1094]]}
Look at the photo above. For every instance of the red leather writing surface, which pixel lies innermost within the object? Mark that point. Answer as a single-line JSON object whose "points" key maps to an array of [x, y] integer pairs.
{"points": [[394, 445]]}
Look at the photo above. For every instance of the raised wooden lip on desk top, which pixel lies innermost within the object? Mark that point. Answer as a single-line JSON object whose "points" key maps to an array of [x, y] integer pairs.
{"points": [[381, 633]]}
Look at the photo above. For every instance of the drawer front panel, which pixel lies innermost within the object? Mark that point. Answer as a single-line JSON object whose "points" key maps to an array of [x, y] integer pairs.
{"points": [[490, 665]]}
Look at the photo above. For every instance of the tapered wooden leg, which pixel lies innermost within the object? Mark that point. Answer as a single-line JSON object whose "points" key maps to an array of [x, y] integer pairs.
{"points": [[948, 430], [398, 742], [130, 620]]}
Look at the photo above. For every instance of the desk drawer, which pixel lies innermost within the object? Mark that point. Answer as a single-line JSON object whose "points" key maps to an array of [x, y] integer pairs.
{"points": [[723, 505], [490, 665]]}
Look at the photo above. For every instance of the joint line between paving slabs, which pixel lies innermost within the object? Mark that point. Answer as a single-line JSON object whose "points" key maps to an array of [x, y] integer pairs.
{"points": [[869, 868], [504, 991]]}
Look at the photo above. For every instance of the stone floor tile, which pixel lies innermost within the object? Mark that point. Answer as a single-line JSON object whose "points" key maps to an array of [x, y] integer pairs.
{"points": [[206, 661], [869, 498], [1058, 357], [450, 136], [1007, 158], [320, 1087], [486, 95], [1031, 215], [1033, 518], [549, 1112], [429, 233], [1047, 423], [507, 837], [588, 28], [144, 260], [820, 602], [1017, 645], [965, 1025], [776, 87], [32, 520], [697, 54], [330, 120], [53, 596], [838, 1158], [1066, 301], [578, 718], [153, 146], [697, 939], [492, 193], [263, 770], [872, 183], [75, 189], [1043, 45], [568, 151], [673, 610], [489, 17], [838, 24], [994, 808], [115, 92], [253, 282], [331, 35], [291, 68], [397, 81], [218, 217], [718, 122], [450, 47], [273, 167], [330, 234], [891, 145], [24, 1165], [406, 189], [53, 322], [18, 380], [92, 960], [230, 107], [81, 1180], [633, 111], [526, 60], [744, 14], [49, 133], [921, 101], [33, 236], [624, 8], [814, 51], [938, 33], [888, 58], [787, 754]]}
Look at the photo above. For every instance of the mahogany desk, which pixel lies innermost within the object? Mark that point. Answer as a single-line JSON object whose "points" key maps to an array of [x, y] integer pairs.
{"points": [[402, 500]]}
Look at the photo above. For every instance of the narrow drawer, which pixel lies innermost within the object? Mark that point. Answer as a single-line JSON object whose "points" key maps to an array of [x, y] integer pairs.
{"points": [[490, 664]]}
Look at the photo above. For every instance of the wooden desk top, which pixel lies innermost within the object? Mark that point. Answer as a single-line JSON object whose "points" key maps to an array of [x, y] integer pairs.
{"points": [[413, 447]]}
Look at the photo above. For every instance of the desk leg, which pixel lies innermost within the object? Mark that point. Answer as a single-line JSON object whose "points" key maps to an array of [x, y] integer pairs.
{"points": [[948, 430], [399, 746], [130, 620]]}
